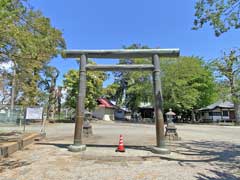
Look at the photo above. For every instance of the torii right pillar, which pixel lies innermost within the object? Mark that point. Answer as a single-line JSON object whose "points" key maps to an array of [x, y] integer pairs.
{"points": [[158, 109]]}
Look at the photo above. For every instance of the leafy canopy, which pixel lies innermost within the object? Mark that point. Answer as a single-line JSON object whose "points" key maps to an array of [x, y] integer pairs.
{"points": [[94, 88], [222, 15], [187, 84], [228, 69], [28, 40]]}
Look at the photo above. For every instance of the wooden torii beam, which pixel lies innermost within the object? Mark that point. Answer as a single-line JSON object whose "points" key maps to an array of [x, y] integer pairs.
{"points": [[121, 53], [155, 54], [139, 67]]}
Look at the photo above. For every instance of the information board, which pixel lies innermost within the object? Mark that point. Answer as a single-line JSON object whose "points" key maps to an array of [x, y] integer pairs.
{"points": [[34, 112]]}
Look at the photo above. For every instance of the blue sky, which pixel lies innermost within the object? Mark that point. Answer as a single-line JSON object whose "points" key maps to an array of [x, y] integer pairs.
{"points": [[109, 24]]}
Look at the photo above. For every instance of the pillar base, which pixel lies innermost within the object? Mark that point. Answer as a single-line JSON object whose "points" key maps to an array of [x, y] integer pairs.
{"points": [[77, 148], [160, 150]]}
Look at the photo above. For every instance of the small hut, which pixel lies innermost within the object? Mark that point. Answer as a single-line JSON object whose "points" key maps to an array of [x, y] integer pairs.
{"points": [[105, 110]]}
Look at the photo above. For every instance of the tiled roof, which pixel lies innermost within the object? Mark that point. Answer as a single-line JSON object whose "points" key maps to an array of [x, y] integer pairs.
{"points": [[103, 102], [221, 104]]}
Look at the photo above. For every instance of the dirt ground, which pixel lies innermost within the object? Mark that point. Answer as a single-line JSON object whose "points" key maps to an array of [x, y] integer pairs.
{"points": [[204, 152]]}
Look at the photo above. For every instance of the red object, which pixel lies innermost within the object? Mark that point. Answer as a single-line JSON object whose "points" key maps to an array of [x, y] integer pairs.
{"points": [[120, 146], [105, 103]]}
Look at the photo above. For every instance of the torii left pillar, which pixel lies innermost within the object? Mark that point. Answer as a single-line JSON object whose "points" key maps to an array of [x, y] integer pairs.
{"points": [[78, 144]]}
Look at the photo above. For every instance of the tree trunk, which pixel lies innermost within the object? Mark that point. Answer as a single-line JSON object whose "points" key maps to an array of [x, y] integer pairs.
{"points": [[193, 116], [237, 112], [51, 104], [13, 88]]}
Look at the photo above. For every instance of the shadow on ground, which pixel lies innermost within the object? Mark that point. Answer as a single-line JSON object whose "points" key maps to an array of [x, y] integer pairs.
{"points": [[60, 145], [218, 176], [224, 157]]}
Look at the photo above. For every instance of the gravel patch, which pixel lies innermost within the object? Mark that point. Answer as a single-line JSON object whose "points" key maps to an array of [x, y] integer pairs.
{"points": [[205, 152]]}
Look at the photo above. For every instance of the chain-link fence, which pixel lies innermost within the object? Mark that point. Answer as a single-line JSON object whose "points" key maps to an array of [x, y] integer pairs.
{"points": [[10, 116], [65, 115], [14, 120]]}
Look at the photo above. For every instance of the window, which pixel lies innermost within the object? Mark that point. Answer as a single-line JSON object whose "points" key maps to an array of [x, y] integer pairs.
{"points": [[225, 113], [217, 114], [210, 114]]}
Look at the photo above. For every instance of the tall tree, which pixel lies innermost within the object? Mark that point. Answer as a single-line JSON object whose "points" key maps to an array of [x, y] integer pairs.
{"points": [[28, 40], [110, 92], [49, 81], [94, 88], [188, 84], [222, 15], [126, 86], [134, 87], [228, 67]]}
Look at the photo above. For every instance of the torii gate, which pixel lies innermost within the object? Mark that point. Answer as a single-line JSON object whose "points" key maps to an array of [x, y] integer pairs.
{"points": [[120, 54]]}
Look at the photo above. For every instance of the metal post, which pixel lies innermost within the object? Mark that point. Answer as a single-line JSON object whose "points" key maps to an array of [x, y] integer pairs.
{"points": [[158, 107], [78, 146]]}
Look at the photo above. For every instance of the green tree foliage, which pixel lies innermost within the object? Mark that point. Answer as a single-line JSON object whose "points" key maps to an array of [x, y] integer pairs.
{"points": [[134, 87], [228, 67], [94, 88], [131, 88], [222, 15], [28, 40], [187, 84], [110, 92], [222, 87]]}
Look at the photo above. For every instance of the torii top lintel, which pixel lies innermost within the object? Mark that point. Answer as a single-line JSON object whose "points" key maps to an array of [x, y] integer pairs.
{"points": [[121, 53]]}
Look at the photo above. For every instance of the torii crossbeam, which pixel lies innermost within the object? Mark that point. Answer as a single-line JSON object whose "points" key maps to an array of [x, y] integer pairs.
{"points": [[155, 54]]}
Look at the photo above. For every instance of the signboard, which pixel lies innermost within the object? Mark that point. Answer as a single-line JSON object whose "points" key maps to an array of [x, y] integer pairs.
{"points": [[34, 113]]}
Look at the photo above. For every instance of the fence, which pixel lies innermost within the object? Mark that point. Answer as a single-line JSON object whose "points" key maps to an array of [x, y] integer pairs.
{"points": [[14, 120], [66, 114], [11, 117]]}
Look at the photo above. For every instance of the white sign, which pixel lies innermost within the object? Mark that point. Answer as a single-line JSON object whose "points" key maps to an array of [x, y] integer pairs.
{"points": [[34, 113]]}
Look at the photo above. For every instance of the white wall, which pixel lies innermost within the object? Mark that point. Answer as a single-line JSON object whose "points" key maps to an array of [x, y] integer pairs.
{"points": [[215, 118], [103, 113], [99, 112]]}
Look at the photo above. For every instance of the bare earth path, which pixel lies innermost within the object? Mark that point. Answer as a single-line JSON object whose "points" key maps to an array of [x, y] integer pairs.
{"points": [[205, 152]]}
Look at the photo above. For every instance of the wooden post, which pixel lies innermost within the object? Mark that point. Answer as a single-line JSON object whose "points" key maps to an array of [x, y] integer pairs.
{"points": [[78, 146], [158, 109]]}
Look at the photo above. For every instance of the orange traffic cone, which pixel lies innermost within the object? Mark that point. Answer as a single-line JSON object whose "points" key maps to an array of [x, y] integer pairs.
{"points": [[120, 146]]}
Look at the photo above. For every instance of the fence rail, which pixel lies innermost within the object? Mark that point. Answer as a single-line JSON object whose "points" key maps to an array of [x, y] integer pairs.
{"points": [[11, 116]]}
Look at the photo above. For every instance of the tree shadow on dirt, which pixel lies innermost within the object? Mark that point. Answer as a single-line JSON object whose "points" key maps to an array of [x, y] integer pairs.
{"points": [[210, 150], [224, 157], [218, 176], [193, 151]]}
